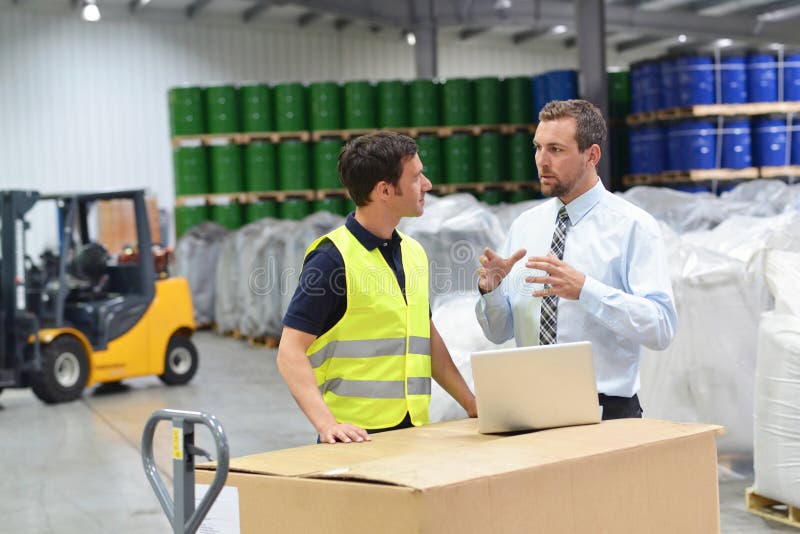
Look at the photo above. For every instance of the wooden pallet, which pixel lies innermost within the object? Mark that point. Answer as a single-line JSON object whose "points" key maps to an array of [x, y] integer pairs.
{"points": [[482, 187], [205, 326], [344, 135], [269, 342], [631, 180], [641, 118], [273, 137], [772, 509], [779, 172], [235, 333], [322, 194], [281, 196], [701, 175]]}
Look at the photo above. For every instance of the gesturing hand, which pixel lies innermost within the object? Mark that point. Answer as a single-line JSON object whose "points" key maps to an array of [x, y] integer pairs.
{"points": [[494, 268], [563, 279]]}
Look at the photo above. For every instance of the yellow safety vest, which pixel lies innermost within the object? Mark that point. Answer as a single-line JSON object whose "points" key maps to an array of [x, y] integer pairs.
{"points": [[374, 365]]}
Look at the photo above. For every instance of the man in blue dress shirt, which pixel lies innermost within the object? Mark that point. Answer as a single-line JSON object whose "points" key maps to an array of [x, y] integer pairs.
{"points": [[611, 286]]}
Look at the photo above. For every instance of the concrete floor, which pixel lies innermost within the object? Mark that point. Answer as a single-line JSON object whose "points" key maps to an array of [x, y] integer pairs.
{"points": [[76, 468]]}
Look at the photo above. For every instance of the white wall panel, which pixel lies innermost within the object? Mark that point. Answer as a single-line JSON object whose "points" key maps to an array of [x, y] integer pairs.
{"points": [[84, 106]]}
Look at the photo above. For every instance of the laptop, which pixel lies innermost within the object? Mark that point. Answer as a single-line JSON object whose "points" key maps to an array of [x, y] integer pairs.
{"points": [[531, 388]]}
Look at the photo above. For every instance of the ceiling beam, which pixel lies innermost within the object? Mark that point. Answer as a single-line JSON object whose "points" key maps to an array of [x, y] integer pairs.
{"points": [[527, 35], [391, 14], [341, 23], [637, 42], [624, 18], [255, 10], [469, 33], [194, 8], [307, 18]]}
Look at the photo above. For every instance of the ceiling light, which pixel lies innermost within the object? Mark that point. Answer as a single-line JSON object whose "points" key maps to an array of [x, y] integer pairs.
{"points": [[90, 12], [722, 43], [502, 4], [559, 29], [411, 39], [681, 38]]}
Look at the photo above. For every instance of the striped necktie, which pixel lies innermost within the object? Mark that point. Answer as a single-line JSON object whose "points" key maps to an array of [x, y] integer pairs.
{"points": [[549, 317]]}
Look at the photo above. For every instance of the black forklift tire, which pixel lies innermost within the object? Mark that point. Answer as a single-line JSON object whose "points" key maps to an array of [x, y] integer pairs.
{"points": [[180, 362], [65, 370]]}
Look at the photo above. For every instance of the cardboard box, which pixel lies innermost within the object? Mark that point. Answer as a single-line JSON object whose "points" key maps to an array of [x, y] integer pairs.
{"points": [[632, 475]]}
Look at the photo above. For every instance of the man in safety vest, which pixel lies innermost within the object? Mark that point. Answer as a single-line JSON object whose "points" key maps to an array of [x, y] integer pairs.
{"points": [[358, 348]]}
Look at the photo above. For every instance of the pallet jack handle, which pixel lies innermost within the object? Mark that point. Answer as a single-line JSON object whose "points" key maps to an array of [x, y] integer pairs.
{"points": [[181, 512]]}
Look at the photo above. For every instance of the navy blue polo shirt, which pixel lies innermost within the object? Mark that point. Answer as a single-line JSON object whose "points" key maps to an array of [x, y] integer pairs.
{"points": [[320, 300]]}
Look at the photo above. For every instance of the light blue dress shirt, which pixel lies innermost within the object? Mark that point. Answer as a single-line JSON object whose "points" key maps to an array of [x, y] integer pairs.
{"points": [[626, 300]]}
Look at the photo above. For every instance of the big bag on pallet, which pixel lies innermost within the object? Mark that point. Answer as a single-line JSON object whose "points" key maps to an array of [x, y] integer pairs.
{"points": [[196, 256], [776, 455]]}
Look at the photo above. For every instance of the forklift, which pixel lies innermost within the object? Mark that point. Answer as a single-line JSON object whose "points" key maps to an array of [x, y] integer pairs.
{"points": [[84, 316]]}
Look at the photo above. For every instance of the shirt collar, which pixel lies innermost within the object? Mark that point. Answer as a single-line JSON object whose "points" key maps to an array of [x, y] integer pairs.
{"points": [[367, 239], [582, 205]]}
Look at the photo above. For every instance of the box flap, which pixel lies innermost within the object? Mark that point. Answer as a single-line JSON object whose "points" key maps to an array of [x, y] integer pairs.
{"points": [[442, 467], [318, 458], [454, 451]]}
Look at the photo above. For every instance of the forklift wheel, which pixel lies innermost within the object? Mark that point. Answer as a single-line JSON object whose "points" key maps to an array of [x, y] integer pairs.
{"points": [[180, 364], [65, 369]]}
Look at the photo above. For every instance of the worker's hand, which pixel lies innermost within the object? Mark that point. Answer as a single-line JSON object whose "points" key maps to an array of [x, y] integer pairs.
{"points": [[471, 407], [494, 268], [563, 279], [343, 432]]}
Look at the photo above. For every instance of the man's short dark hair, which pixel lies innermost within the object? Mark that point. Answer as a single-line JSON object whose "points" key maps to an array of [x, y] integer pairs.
{"points": [[369, 159], [591, 127]]}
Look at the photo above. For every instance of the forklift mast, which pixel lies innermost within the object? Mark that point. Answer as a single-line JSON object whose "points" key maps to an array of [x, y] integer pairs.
{"points": [[16, 323]]}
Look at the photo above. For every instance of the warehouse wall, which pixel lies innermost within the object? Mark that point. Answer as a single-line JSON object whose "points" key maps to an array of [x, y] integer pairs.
{"points": [[84, 106]]}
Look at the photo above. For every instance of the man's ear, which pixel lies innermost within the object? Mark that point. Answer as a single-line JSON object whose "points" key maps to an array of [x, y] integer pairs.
{"points": [[382, 190], [595, 154]]}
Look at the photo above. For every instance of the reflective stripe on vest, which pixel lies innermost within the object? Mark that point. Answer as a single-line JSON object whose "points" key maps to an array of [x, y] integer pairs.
{"points": [[365, 348], [374, 365], [377, 389]]}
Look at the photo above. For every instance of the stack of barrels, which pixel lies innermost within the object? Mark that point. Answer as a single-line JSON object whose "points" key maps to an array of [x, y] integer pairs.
{"points": [[295, 166], [727, 76]]}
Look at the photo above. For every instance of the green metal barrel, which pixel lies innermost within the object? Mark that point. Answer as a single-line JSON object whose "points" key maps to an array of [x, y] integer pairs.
{"points": [[259, 210], [349, 206], [519, 100], [291, 114], [294, 208], [191, 170], [491, 157], [392, 104], [522, 196], [294, 166], [359, 105], [521, 164], [188, 216], [429, 148], [222, 109], [226, 168], [488, 101], [186, 115], [331, 204], [492, 196], [260, 167], [458, 103], [459, 159], [423, 102], [326, 105], [256, 108], [619, 94], [228, 215], [326, 160]]}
